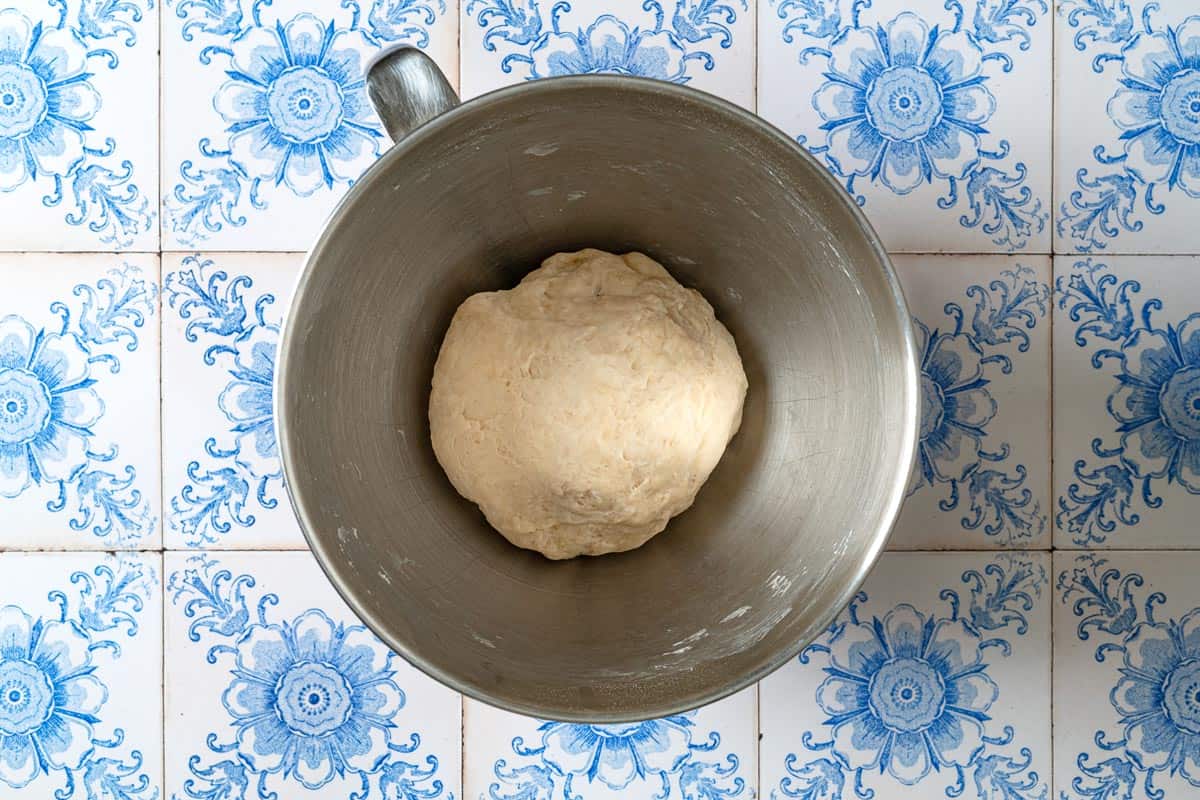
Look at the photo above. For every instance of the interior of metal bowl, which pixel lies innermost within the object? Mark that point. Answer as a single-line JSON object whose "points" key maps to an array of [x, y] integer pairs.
{"points": [[786, 527]]}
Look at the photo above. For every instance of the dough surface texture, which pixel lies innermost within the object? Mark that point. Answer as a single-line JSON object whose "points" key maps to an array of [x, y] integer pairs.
{"points": [[584, 408]]}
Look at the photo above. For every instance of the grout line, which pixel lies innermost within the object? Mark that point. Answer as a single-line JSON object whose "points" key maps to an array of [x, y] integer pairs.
{"points": [[1051, 780], [1050, 521], [1053, 131], [462, 745], [756, 32], [758, 737], [162, 499], [159, 204], [162, 514], [162, 583], [1051, 316], [1050, 663], [132, 251], [1050, 516]]}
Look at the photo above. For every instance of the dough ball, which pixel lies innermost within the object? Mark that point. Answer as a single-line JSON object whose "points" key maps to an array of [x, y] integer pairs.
{"points": [[584, 408]]}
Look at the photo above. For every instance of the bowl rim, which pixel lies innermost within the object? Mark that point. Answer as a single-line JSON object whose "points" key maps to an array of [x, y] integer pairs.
{"points": [[326, 557]]}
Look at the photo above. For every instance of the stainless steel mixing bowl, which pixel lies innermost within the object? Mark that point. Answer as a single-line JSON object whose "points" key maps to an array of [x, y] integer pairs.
{"points": [[800, 505]]}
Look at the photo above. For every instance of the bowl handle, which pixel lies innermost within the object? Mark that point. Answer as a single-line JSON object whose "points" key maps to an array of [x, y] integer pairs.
{"points": [[407, 89]]}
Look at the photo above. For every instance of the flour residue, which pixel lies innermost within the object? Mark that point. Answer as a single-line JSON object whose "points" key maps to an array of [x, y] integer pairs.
{"points": [[695, 637], [779, 583], [540, 150], [737, 613]]}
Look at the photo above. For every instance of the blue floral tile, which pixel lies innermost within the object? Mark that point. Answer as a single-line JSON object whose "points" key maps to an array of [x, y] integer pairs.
{"points": [[708, 754], [265, 111], [708, 44], [80, 676], [78, 124], [1126, 673], [982, 475], [1127, 135], [79, 439], [935, 682], [934, 115], [1127, 401], [222, 479], [274, 689]]}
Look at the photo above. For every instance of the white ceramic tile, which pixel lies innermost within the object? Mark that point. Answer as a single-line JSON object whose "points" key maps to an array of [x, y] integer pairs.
{"points": [[79, 438], [709, 753], [982, 477], [222, 479], [935, 116], [80, 676], [78, 125], [1127, 126], [240, 625], [935, 683], [707, 44], [1126, 658], [1127, 401], [266, 119], [273, 684]]}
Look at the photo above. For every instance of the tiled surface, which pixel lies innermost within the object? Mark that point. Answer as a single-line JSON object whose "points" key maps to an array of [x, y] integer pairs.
{"points": [[935, 681], [711, 750], [79, 401], [1127, 172], [222, 480], [272, 682], [1125, 664], [1127, 401], [936, 116], [236, 159], [1060, 453], [78, 124], [982, 477], [709, 45], [81, 674]]}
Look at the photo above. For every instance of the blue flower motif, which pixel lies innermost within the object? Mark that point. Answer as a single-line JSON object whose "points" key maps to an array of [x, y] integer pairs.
{"points": [[617, 755], [45, 100], [49, 697], [247, 402], [905, 103], [47, 406], [247, 468], [1158, 696], [1157, 403], [609, 45], [955, 406], [1158, 106], [313, 702], [907, 694], [910, 693], [312, 699], [296, 104]]}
